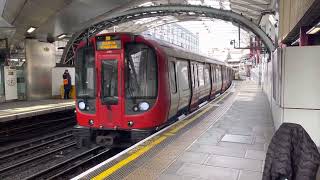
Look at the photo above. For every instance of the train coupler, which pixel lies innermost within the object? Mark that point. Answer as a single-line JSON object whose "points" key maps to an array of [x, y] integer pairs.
{"points": [[106, 140]]}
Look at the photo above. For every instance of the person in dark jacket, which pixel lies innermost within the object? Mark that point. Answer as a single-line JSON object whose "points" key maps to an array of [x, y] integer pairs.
{"points": [[67, 84], [291, 155]]}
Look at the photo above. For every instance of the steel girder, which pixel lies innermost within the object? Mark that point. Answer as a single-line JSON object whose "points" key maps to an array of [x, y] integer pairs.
{"points": [[163, 10]]}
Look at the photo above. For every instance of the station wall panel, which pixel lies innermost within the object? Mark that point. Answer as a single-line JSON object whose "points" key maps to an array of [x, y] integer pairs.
{"points": [[300, 77], [294, 97], [309, 119], [40, 59]]}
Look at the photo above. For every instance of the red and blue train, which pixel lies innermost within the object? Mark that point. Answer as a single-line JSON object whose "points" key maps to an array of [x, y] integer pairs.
{"points": [[128, 84]]}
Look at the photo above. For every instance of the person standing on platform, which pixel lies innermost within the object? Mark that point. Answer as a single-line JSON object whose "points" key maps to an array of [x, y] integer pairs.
{"points": [[66, 84]]}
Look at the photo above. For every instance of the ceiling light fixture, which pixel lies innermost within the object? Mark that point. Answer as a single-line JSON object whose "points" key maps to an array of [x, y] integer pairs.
{"points": [[31, 29], [315, 29], [61, 36]]}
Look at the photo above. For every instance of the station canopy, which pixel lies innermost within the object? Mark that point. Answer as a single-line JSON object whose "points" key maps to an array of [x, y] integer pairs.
{"points": [[54, 18], [252, 9]]}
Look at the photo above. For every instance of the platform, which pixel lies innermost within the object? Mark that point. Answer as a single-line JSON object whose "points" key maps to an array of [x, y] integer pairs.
{"points": [[225, 140], [22, 109]]}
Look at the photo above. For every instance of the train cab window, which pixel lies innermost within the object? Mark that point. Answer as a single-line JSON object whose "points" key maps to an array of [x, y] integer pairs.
{"points": [[200, 75], [109, 76], [85, 66], [173, 77], [85, 76], [140, 72], [141, 77]]}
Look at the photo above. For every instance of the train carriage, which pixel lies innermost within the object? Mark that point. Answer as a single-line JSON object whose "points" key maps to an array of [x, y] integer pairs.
{"points": [[128, 83]]}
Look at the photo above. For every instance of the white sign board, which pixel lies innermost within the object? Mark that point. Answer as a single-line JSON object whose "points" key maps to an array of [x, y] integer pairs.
{"points": [[10, 85]]}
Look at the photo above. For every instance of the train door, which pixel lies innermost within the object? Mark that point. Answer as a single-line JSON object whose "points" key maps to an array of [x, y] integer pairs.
{"points": [[195, 86], [109, 109], [174, 98], [183, 85]]}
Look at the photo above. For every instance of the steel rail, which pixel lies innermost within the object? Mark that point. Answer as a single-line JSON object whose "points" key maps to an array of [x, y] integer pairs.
{"points": [[37, 157], [25, 128], [35, 141], [63, 164], [35, 147]]}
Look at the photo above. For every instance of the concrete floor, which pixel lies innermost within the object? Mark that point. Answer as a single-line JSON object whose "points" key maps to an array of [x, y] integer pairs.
{"points": [[234, 148]]}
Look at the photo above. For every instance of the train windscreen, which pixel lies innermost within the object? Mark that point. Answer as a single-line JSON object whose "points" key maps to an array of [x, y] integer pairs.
{"points": [[140, 78], [141, 72], [85, 77], [109, 78]]}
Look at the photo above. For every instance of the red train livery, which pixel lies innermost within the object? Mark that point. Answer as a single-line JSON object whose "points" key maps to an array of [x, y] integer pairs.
{"points": [[128, 83]]}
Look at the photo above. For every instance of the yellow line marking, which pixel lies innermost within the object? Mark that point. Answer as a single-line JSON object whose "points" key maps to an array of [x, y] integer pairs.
{"points": [[184, 123], [169, 134], [124, 162], [146, 148]]}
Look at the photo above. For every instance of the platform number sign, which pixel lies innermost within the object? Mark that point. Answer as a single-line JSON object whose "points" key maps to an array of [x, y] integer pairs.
{"points": [[12, 79]]}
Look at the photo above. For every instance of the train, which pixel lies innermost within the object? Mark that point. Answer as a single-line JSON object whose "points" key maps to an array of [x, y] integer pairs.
{"points": [[128, 85]]}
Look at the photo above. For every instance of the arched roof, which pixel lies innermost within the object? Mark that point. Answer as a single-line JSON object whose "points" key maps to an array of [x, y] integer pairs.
{"points": [[176, 10]]}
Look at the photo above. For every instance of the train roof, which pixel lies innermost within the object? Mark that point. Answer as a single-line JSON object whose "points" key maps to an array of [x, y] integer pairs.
{"points": [[179, 52], [174, 51]]}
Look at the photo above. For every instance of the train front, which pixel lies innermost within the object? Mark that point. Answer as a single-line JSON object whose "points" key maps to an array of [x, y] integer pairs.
{"points": [[120, 88]]}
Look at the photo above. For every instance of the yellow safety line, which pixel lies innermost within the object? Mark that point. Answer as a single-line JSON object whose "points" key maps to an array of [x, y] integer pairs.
{"points": [[184, 123], [153, 143], [124, 162]]}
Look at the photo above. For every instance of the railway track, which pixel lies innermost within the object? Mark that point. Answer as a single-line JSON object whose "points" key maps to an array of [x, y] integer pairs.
{"points": [[72, 166], [11, 169], [32, 150], [54, 156], [19, 130], [33, 143], [76, 163]]}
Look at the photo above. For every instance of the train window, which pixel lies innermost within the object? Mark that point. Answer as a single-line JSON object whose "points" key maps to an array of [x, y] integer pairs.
{"points": [[218, 74], [213, 71], [200, 75], [193, 76], [173, 77], [207, 74], [140, 72], [184, 78], [197, 75], [109, 77]]}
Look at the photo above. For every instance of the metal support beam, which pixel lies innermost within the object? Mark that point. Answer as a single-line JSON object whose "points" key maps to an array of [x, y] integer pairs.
{"points": [[239, 35], [163, 10]]}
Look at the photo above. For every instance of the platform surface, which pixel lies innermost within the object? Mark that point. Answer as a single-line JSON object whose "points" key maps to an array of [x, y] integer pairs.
{"points": [[233, 148], [227, 140], [22, 109]]}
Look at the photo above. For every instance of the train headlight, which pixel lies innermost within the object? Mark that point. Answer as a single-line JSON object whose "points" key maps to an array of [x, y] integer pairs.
{"points": [[91, 122], [82, 105], [144, 106]]}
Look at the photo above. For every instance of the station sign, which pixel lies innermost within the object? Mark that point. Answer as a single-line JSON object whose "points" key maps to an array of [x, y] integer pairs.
{"points": [[108, 42]]}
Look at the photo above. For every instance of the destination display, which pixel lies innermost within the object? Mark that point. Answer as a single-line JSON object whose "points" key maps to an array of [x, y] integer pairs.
{"points": [[108, 42]]}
